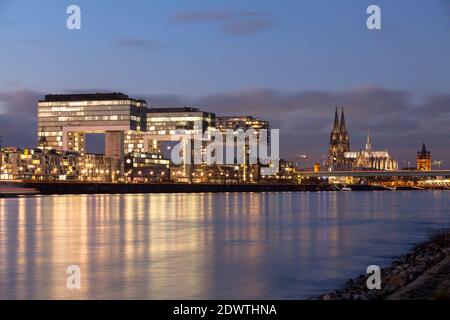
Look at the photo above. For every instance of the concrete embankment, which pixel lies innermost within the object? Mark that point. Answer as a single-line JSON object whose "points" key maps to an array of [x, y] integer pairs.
{"points": [[114, 188], [422, 274]]}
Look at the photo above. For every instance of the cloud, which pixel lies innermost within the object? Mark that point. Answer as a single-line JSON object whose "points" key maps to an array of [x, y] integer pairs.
{"points": [[396, 121], [166, 100], [136, 43], [18, 125], [247, 27], [20, 103], [230, 22], [202, 16], [305, 117], [215, 15], [2, 107]]}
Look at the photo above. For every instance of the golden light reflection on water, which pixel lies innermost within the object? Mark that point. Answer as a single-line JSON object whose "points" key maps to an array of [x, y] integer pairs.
{"points": [[174, 246]]}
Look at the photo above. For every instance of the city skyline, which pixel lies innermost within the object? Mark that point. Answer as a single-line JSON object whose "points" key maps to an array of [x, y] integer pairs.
{"points": [[216, 57], [96, 145], [224, 158]]}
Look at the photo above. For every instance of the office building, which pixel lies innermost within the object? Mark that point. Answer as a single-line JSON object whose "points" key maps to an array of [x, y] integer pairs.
{"points": [[65, 119]]}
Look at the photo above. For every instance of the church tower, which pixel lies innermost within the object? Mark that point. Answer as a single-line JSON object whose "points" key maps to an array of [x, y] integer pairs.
{"points": [[339, 143], [424, 159], [369, 143]]}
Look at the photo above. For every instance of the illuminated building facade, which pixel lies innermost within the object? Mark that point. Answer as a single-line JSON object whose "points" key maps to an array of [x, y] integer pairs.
{"points": [[339, 144], [249, 172], [164, 123], [424, 159], [38, 164], [146, 167], [64, 120], [341, 158], [241, 122], [368, 159]]}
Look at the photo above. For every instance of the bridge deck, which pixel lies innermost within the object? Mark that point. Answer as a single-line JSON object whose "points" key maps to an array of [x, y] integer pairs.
{"points": [[364, 174]]}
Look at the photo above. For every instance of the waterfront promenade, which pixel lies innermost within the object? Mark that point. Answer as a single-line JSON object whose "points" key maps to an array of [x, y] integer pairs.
{"points": [[123, 188], [374, 174]]}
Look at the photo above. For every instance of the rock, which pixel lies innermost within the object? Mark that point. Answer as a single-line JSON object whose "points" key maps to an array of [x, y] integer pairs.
{"points": [[401, 272], [347, 296], [373, 294], [400, 280], [390, 289], [333, 295], [364, 296], [349, 283], [327, 297], [413, 276]]}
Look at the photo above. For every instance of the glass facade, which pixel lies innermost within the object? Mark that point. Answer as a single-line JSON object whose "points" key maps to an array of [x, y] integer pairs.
{"points": [[86, 113], [166, 121], [241, 122]]}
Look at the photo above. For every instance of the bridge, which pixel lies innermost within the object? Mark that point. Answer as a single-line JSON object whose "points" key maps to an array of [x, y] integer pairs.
{"points": [[376, 174]]}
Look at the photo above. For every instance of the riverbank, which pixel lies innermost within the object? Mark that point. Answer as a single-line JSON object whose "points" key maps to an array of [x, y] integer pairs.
{"points": [[422, 274], [58, 188], [17, 188]]}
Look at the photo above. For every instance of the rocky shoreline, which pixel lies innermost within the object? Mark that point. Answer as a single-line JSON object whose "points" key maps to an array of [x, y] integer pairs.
{"points": [[422, 274]]}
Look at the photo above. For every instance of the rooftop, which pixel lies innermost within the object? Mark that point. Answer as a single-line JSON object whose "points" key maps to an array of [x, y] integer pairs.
{"points": [[87, 97], [173, 110]]}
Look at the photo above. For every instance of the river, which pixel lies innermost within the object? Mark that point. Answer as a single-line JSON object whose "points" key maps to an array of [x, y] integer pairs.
{"points": [[207, 246]]}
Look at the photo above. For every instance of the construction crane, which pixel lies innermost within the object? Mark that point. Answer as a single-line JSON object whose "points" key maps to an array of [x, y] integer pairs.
{"points": [[299, 157], [438, 163]]}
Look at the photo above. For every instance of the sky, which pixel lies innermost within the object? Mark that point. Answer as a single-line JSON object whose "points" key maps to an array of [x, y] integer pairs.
{"points": [[287, 61]]}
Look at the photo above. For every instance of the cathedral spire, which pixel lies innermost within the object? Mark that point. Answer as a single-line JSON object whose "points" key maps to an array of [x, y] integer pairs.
{"points": [[343, 126], [336, 122], [424, 149], [369, 142]]}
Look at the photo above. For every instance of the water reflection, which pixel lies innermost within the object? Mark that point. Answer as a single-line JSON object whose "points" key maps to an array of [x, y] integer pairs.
{"points": [[199, 246]]}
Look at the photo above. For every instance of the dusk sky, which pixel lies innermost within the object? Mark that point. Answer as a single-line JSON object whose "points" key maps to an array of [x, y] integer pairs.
{"points": [[287, 61]]}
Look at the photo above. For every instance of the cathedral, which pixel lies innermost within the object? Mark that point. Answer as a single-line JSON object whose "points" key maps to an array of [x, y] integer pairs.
{"points": [[339, 144], [369, 159], [340, 158]]}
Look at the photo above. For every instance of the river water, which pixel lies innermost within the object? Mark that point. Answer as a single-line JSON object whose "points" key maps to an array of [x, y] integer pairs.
{"points": [[207, 246]]}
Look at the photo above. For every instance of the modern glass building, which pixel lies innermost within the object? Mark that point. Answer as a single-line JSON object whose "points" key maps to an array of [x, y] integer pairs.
{"points": [[165, 121], [131, 129], [246, 123], [63, 120], [241, 122]]}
